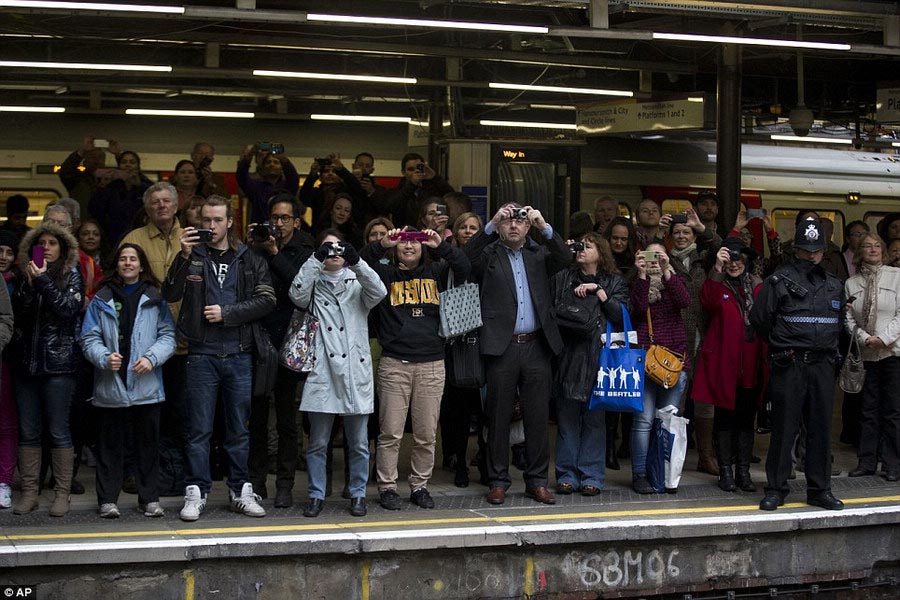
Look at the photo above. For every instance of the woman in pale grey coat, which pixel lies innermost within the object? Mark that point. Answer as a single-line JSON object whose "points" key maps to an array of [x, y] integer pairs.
{"points": [[340, 290]]}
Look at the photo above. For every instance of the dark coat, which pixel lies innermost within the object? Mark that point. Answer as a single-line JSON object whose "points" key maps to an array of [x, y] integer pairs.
{"points": [[491, 269], [576, 370], [403, 203], [48, 310], [283, 267], [187, 279]]}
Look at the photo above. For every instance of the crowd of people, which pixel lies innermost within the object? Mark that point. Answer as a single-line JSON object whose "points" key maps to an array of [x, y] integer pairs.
{"points": [[182, 321]]}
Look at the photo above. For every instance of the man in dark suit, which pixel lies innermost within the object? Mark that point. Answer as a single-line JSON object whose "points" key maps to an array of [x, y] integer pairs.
{"points": [[518, 339]]}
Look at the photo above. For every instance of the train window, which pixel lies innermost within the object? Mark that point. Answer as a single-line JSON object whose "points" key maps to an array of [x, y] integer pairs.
{"points": [[783, 221], [624, 210], [872, 219], [675, 205], [38, 201]]}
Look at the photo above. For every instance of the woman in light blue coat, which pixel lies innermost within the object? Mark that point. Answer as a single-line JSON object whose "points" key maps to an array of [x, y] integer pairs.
{"points": [[128, 333], [340, 290]]}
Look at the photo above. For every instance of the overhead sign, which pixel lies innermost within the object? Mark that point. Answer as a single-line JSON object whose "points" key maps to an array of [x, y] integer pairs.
{"points": [[887, 103], [630, 116]]}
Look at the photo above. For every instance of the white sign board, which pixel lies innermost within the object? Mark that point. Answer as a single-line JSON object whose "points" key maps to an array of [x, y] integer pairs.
{"points": [[888, 105], [631, 116]]}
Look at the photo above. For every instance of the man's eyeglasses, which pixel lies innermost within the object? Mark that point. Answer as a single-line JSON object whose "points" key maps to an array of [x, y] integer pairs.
{"points": [[281, 218]]}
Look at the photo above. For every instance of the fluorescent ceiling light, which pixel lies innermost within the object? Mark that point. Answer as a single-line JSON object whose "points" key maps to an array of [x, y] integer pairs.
{"points": [[35, 109], [819, 140], [189, 113], [333, 76], [530, 124], [564, 90], [344, 19], [895, 144], [723, 39], [144, 8], [87, 66], [360, 118], [552, 106], [695, 98]]}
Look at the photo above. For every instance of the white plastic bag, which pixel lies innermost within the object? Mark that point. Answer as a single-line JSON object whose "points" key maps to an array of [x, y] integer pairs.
{"points": [[668, 447]]}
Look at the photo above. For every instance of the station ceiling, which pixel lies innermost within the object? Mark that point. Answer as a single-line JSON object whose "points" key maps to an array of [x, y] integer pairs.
{"points": [[214, 47]]}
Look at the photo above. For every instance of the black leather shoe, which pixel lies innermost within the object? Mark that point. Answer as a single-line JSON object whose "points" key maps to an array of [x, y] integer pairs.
{"points": [[772, 501], [825, 500], [461, 479], [892, 473], [860, 471], [358, 507], [313, 507], [283, 498]]}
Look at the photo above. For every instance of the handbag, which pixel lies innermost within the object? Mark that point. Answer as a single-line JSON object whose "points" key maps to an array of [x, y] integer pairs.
{"points": [[460, 309], [465, 368], [298, 352], [853, 373], [663, 366], [619, 386], [580, 316], [667, 449]]}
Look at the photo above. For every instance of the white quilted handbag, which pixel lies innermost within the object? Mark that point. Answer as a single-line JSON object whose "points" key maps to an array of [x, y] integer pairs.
{"points": [[460, 309]]}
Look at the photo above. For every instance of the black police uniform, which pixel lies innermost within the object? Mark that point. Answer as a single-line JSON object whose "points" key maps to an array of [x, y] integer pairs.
{"points": [[799, 312]]}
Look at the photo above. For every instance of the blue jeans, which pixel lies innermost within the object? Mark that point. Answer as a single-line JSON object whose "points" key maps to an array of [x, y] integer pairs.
{"points": [[655, 397], [207, 375], [356, 432], [44, 398], [580, 444]]}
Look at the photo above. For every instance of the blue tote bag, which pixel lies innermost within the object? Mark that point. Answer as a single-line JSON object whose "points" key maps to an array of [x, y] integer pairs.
{"points": [[620, 371]]}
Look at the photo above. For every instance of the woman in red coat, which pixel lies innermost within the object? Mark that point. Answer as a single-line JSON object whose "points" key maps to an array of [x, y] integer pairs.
{"points": [[729, 367]]}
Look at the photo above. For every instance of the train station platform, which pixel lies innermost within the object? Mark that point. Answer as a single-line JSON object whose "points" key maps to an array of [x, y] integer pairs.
{"points": [[618, 544]]}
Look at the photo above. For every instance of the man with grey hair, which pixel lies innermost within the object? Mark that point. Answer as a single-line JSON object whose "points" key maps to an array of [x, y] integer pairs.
{"points": [[71, 205], [605, 210]]}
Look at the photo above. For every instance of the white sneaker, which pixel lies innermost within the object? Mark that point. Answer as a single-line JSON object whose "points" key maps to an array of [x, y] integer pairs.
{"points": [[109, 510], [151, 509], [5, 495], [194, 503], [247, 503]]}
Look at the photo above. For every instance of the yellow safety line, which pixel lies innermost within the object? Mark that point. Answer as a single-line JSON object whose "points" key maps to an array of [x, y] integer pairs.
{"points": [[528, 587], [188, 584], [350, 526], [365, 580]]}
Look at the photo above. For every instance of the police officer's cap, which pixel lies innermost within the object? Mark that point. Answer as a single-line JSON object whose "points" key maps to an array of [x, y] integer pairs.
{"points": [[810, 236]]}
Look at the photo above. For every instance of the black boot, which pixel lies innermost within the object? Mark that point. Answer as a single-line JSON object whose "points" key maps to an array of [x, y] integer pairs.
{"points": [[725, 458], [612, 462], [744, 456]]}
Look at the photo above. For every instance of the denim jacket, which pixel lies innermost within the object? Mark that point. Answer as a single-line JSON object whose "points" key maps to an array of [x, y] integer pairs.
{"points": [[152, 337]]}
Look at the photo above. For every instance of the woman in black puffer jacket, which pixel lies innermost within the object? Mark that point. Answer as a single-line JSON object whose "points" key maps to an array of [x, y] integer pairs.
{"points": [[47, 306], [593, 283]]}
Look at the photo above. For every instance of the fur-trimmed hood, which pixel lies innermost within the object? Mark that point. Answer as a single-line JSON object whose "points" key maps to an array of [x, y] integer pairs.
{"points": [[68, 245]]}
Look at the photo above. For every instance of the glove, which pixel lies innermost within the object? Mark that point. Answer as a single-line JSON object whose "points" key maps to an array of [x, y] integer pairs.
{"points": [[322, 253], [351, 256]]}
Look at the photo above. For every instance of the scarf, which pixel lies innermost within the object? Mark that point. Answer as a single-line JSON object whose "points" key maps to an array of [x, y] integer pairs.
{"points": [[332, 277], [870, 275], [656, 283], [742, 288], [684, 256]]}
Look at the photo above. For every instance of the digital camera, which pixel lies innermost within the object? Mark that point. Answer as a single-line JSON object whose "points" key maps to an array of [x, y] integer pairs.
{"points": [[262, 231], [412, 236], [204, 235], [520, 213], [270, 147], [576, 246], [734, 255], [336, 249], [323, 162], [679, 218]]}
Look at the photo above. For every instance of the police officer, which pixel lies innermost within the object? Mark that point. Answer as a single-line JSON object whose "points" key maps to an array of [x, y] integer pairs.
{"points": [[799, 312]]}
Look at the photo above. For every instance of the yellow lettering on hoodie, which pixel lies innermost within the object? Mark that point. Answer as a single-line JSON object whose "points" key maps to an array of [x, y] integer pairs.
{"points": [[414, 291]]}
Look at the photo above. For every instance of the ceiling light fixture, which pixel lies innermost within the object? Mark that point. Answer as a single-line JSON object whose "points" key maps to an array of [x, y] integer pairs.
{"points": [[815, 140], [189, 113], [345, 19], [144, 8], [561, 90], [360, 118], [333, 76], [895, 144], [34, 109], [85, 66], [723, 39], [529, 124]]}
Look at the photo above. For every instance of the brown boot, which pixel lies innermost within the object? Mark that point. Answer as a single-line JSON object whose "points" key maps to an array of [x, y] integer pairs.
{"points": [[703, 431], [29, 470], [63, 463]]}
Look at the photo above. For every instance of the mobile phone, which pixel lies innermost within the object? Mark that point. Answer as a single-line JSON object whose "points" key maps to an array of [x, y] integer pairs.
{"points": [[851, 300], [323, 162], [678, 218], [412, 236], [101, 143], [270, 147], [37, 256], [204, 235], [649, 256], [442, 210], [756, 213]]}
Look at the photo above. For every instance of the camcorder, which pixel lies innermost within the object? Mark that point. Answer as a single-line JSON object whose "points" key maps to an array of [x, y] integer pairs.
{"points": [[412, 236], [335, 249], [520, 213], [678, 218], [262, 231], [270, 147], [576, 246]]}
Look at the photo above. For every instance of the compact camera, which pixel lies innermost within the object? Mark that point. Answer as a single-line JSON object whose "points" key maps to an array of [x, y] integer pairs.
{"points": [[262, 231], [520, 213], [336, 249], [442, 210], [270, 147], [204, 235], [756, 213], [323, 162], [576, 246], [679, 218], [734, 255], [412, 236]]}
